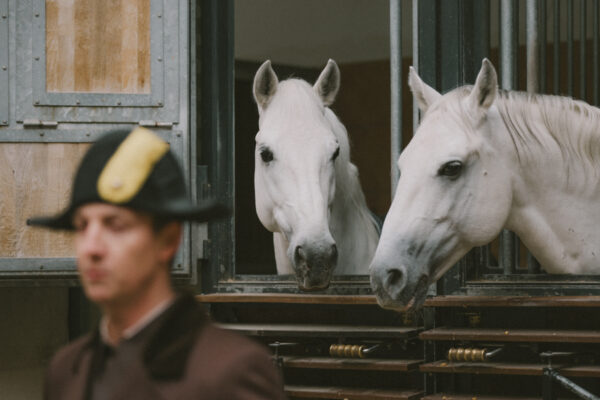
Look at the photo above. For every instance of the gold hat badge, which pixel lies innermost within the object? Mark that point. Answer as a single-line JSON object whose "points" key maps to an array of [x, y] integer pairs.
{"points": [[128, 168]]}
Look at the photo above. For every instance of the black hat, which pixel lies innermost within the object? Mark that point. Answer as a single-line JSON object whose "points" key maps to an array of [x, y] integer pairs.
{"points": [[136, 170]]}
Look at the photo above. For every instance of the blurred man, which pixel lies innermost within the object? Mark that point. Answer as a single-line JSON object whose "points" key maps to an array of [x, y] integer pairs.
{"points": [[127, 206]]}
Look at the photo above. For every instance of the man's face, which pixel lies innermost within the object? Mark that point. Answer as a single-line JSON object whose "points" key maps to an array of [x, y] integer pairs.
{"points": [[120, 257]]}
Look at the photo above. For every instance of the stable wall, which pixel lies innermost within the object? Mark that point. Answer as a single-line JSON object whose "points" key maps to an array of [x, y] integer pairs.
{"points": [[34, 324]]}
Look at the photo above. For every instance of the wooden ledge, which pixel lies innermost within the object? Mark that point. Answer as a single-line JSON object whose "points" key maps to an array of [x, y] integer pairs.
{"points": [[495, 368], [513, 301], [446, 396], [317, 330], [286, 298], [329, 392], [363, 364], [512, 335]]}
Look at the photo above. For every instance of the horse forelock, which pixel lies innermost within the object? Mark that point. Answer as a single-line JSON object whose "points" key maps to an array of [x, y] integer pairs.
{"points": [[294, 100], [451, 106]]}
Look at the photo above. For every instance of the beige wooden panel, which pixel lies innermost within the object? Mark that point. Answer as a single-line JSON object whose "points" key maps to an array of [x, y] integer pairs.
{"points": [[98, 46], [35, 179]]}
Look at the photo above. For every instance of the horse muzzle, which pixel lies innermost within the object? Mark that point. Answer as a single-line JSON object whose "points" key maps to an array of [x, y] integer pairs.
{"points": [[314, 266], [394, 290]]}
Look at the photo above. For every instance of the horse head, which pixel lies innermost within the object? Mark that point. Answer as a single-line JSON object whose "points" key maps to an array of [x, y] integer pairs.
{"points": [[296, 154], [454, 191]]}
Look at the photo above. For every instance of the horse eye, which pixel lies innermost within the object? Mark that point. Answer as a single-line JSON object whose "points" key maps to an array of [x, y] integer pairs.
{"points": [[336, 153], [451, 169], [266, 155]]}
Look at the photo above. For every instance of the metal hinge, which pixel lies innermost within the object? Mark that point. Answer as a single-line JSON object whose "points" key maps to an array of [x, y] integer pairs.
{"points": [[32, 123], [155, 124]]}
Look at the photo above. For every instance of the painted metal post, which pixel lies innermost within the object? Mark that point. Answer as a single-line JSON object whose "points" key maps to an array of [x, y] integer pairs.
{"points": [[582, 49], [595, 62], [556, 47], [533, 62], [570, 47], [543, 46], [508, 59], [396, 88], [218, 134], [533, 82]]}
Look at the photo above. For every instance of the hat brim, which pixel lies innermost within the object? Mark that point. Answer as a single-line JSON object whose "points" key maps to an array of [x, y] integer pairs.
{"points": [[178, 211]]}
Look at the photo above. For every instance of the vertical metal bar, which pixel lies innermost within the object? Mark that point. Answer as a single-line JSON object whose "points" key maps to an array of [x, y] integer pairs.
{"points": [[395, 87], [543, 45], [582, 46], [218, 140], [533, 85], [415, 56], [596, 64], [556, 47], [533, 62], [508, 47], [570, 47], [508, 60]]}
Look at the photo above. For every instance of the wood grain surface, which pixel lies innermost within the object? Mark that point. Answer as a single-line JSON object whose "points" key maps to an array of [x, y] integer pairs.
{"points": [[35, 179], [98, 46]]}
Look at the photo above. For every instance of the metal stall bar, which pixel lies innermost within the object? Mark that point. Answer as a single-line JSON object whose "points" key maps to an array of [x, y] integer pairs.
{"points": [[533, 81], [533, 62], [582, 46], [556, 47], [595, 55], [570, 47], [396, 87], [218, 140], [543, 45], [508, 60]]}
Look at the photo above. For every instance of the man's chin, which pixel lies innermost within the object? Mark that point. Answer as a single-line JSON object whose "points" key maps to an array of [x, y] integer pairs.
{"points": [[98, 294]]}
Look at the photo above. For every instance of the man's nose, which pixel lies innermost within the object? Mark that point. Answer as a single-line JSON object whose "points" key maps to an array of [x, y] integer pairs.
{"points": [[89, 241]]}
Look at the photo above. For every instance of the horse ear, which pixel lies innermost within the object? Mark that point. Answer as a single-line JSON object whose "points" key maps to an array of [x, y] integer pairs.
{"points": [[486, 86], [265, 85], [328, 83], [423, 93]]}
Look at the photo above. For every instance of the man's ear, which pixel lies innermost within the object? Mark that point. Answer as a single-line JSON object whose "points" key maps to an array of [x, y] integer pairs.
{"points": [[169, 240]]}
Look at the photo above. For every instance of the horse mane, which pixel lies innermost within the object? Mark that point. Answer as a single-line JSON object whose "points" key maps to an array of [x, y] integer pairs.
{"points": [[347, 172], [539, 123]]}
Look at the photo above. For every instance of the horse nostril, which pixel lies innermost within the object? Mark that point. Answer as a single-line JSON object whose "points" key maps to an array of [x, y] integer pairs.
{"points": [[334, 253], [394, 277], [299, 255]]}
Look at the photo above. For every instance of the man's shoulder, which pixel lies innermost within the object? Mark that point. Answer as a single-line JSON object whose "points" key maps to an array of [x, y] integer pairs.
{"points": [[226, 346], [69, 353], [234, 366]]}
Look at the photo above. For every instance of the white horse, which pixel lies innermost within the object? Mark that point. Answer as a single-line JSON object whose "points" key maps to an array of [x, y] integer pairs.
{"points": [[307, 190], [484, 159]]}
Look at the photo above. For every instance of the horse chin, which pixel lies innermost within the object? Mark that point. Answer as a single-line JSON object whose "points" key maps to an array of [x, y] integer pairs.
{"points": [[308, 283], [415, 302]]}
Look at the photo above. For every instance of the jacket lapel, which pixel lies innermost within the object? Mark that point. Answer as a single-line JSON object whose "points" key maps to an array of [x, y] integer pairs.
{"points": [[165, 354]]}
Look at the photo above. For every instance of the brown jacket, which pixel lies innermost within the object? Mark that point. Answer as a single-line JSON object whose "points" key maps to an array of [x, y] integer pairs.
{"points": [[184, 357]]}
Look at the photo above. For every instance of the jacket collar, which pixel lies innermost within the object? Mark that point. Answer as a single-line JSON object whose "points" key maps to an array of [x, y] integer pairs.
{"points": [[168, 345]]}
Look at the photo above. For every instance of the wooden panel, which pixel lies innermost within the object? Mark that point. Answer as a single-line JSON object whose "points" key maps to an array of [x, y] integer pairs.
{"points": [[512, 335], [303, 392], [98, 46], [312, 330], [35, 179], [363, 364], [509, 369], [513, 301], [285, 298], [445, 396]]}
